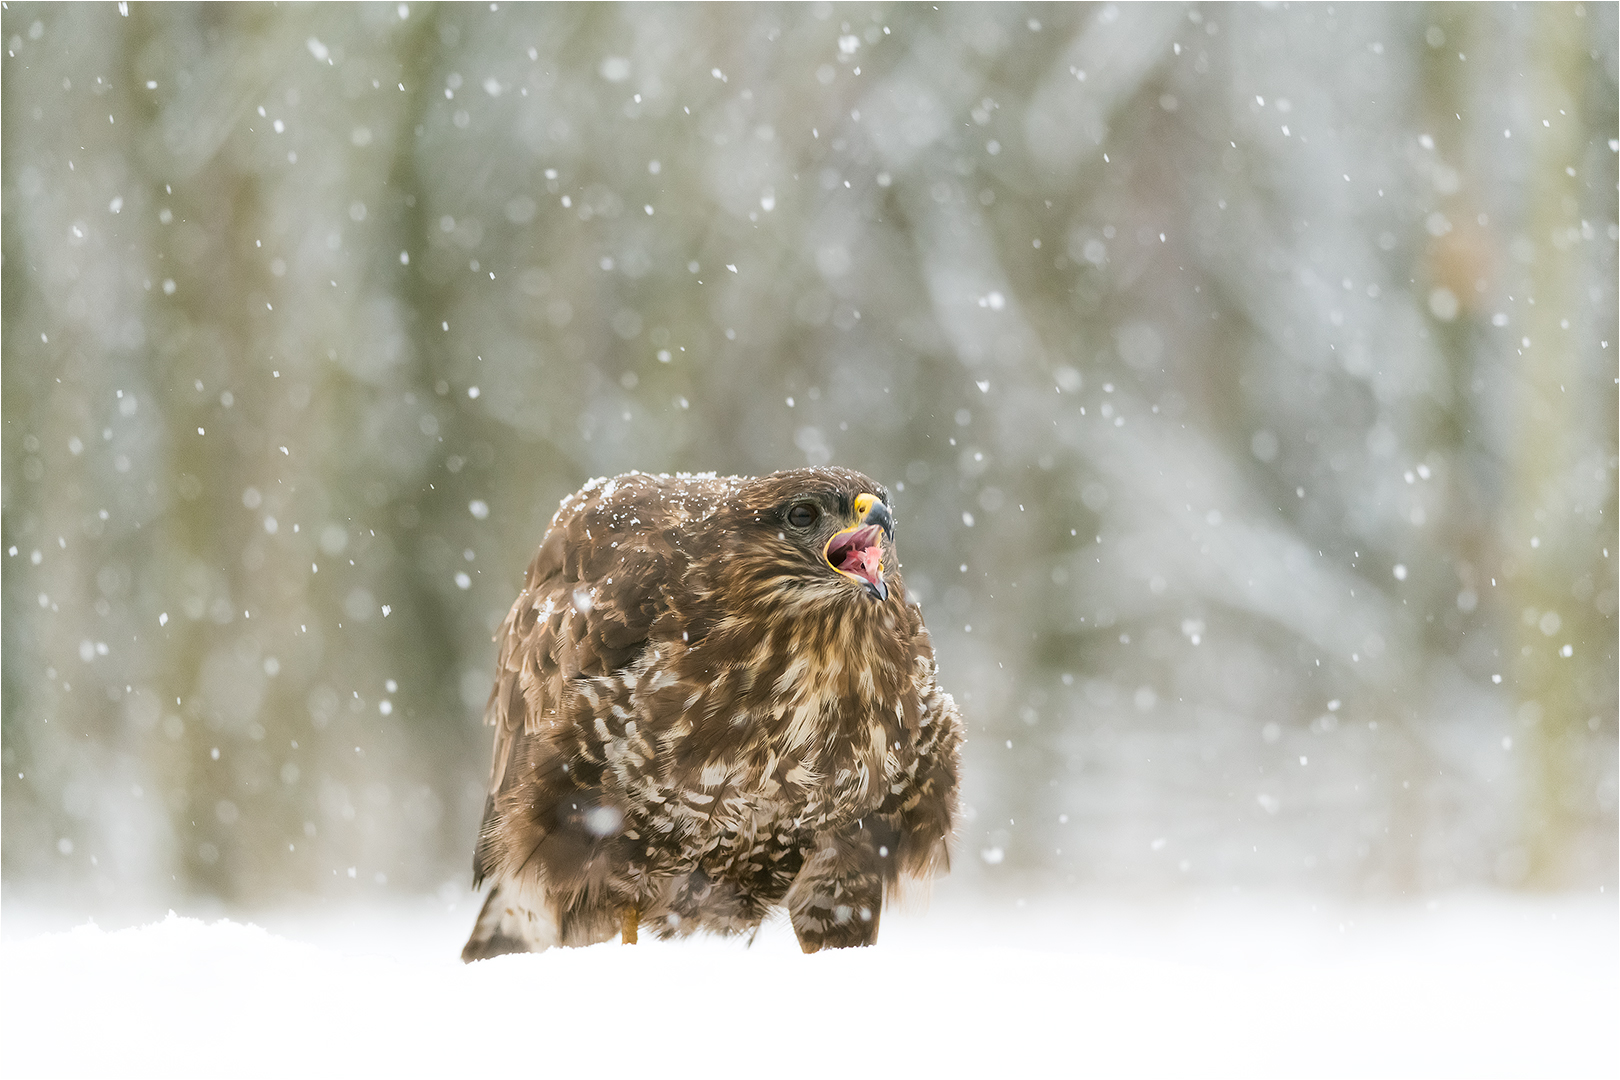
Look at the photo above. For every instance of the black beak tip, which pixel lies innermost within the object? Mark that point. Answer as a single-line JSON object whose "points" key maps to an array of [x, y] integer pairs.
{"points": [[877, 590], [879, 515]]}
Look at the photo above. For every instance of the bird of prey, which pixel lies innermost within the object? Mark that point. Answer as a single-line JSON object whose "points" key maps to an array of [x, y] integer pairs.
{"points": [[712, 698]]}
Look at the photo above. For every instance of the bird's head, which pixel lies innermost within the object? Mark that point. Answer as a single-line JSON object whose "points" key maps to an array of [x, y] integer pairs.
{"points": [[826, 528]]}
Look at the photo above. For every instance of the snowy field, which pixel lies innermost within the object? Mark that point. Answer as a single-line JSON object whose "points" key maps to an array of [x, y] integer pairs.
{"points": [[1465, 986]]}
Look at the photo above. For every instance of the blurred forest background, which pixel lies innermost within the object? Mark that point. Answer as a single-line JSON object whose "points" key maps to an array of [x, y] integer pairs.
{"points": [[1245, 376]]}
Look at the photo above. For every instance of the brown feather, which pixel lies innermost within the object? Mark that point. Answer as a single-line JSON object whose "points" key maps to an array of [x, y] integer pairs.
{"points": [[697, 719]]}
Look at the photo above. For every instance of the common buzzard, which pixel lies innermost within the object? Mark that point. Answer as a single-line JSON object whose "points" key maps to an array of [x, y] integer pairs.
{"points": [[712, 698]]}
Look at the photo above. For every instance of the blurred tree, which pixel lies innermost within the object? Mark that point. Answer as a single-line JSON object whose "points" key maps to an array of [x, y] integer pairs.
{"points": [[1556, 510], [1189, 338]]}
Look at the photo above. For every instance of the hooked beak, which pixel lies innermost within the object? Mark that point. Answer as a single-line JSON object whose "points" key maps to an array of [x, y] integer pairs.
{"points": [[857, 552]]}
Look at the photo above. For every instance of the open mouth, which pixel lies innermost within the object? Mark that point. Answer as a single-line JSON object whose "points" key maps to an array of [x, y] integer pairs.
{"points": [[858, 552]]}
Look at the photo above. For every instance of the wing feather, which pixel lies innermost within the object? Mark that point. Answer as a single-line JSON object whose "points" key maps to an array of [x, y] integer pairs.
{"points": [[600, 580]]}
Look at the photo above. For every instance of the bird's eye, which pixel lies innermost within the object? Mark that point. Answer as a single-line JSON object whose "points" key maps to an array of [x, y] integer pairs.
{"points": [[803, 515]]}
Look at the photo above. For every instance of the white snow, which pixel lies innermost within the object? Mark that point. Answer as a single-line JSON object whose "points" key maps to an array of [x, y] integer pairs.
{"points": [[1466, 986]]}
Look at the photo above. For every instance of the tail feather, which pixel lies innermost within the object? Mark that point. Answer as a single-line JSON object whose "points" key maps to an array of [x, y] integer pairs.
{"points": [[511, 922]]}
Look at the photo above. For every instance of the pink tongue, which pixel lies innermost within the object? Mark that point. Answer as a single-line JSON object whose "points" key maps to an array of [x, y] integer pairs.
{"points": [[862, 561]]}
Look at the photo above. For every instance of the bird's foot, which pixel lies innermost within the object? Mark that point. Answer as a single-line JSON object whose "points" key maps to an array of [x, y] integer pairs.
{"points": [[629, 919]]}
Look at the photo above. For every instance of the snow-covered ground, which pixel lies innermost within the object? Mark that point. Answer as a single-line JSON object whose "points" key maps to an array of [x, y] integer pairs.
{"points": [[1463, 986]]}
